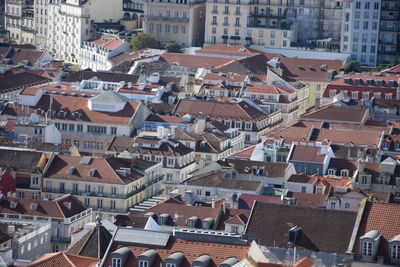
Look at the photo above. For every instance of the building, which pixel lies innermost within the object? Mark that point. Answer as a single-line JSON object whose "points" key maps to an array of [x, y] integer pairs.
{"points": [[64, 215], [301, 228], [41, 23], [360, 30], [109, 184], [363, 87], [389, 33], [71, 22], [181, 21], [177, 159], [95, 54], [216, 185], [88, 123], [320, 185], [19, 21], [245, 115], [133, 13], [183, 248], [274, 24], [274, 98]]}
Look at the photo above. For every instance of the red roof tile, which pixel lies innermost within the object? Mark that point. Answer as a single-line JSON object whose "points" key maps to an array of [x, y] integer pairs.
{"points": [[63, 259], [194, 61], [229, 50]]}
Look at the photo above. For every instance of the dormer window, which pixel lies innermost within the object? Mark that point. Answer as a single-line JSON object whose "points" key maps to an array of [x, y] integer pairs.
{"points": [[61, 114], [92, 172], [367, 249], [248, 126], [395, 253], [344, 173], [331, 172], [397, 146], [116, 262], [143, 264], [369, 245]]}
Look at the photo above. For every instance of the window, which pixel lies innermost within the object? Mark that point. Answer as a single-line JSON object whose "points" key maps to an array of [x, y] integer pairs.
{"points": [[354, 95], [87, 188], [396, 252], [112, 204], [303, 189], [248, 126], [344, 173], [114, 129], [113, 191], [99, 203], [170, 265], [319, 190], [74, 187], [235, 229], [87, 202], [198, 192], [143, 264], [364, 179], [347, 205], [116, 262], [35, 180], [367, 249], [79, 128], [208, 193], [333, 205]]}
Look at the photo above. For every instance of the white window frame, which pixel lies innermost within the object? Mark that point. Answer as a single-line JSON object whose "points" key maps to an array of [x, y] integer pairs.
{"points": [[116, 262], [367, 247]]}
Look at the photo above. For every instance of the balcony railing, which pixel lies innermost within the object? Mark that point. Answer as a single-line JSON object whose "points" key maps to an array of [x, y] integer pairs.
{"points": [[61, 239], [268, 15], [168, 18]]}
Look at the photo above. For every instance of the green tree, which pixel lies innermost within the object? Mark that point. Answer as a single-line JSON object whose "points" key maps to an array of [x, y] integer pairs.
{"points": [[173, 47], [142, 41], [350, 66]]}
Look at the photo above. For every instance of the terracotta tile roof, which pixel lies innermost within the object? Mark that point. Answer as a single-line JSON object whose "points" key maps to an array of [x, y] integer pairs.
{"points": [[219, 110], [321, 180], [307, 154], [303, 178], [180, 212], [20, 161], [246, 201], [268, 89], [336, 114], [70, 104], [30, 91], [105, 169], [256, 64], [19, 55], [104, 76], [395, 69], [384, 218], [313, 235], [63, 259], [109, 43], [356, 138], [238, 219], [270, 169], [17, 81], [245, 153], [228, 50], [194, 60], [304, 262], [343, 164], [309, 200], [47, 208], [307, 69], [192, 249], [216, 179]]}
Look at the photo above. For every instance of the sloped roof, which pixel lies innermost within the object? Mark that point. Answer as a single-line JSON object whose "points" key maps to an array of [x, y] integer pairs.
{"points": [[93, 244], [63, 259], [339, 114], [194, 60], [314, 233], [20, 161]]}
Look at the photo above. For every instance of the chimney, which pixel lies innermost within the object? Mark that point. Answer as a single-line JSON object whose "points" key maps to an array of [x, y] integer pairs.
{"points": [[317, 102], [213, 203], [224, 207]]}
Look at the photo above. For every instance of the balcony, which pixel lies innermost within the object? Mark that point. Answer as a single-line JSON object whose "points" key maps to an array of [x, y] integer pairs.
{"points": [[268, 15], [282, 26], [214, 12], [226, 12], [389, 29], [390, 8], [163, 18], [237, 13]]}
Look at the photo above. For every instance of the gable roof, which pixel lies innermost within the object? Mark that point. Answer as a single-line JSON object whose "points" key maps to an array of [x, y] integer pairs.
{"points": [[246, 201], [93, 244], [307, 154], [336, 114], [63, 259], [219, 110], [17, 81], [20, 161], [104, 169], [271, 169], [56, 208], [314, 233]]}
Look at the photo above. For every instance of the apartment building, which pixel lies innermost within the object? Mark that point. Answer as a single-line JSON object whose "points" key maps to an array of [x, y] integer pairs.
{"points": [[177, 160], [95, 54], [389, 33], [71, 22], [88, 123], [110, 184], [360, 31], [40, 9], [64, 215], [181, 21], [19, 21], [133, 13], [274, 23]]}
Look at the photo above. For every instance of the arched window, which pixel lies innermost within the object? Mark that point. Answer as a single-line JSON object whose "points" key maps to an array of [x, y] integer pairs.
{"points": [[347, 205]]}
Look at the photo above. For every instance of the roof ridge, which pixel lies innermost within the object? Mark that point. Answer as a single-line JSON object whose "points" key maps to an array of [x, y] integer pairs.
{"points": [[106, 160], [67, 258]]}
